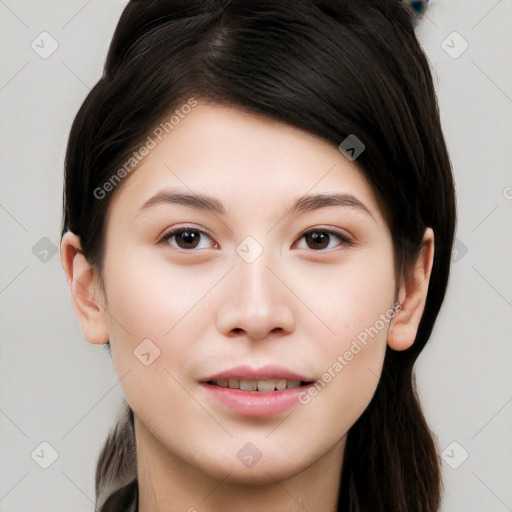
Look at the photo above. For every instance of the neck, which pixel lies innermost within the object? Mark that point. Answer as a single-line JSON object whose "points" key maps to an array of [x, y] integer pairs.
{"points": [[170, 484]]}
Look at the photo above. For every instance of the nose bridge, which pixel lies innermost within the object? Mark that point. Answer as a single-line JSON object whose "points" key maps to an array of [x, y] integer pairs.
{"points": [[256, 284], [256, 301]]}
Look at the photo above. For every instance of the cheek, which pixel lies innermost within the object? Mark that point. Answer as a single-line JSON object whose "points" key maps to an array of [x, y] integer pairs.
{"points": [[355, 307], [347, 297], [155, 316], [151, 297], [157, 308], [350, 365]]}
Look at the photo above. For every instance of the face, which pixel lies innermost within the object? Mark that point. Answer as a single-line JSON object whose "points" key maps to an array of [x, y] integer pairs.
{"points": [[251, 290]]}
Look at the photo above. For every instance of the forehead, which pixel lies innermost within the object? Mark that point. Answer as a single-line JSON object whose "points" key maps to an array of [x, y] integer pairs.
{"points": [[242, 158]]}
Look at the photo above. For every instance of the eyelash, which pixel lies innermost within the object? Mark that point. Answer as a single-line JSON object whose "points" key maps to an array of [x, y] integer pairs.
{"points": [[344, 239]]}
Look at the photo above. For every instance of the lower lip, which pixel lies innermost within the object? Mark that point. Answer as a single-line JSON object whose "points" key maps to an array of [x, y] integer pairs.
{"points": [[256, 403]]}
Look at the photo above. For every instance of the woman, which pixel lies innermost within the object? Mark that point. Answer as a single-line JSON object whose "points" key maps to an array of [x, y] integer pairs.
{"points": [[259, 213]]}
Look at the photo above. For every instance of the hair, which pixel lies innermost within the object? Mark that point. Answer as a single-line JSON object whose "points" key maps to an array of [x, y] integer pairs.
{"points": [[332, 68]]}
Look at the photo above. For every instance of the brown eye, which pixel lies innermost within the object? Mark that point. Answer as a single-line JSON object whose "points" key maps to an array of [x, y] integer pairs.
{"points": [[186, 238], [319, 239]]}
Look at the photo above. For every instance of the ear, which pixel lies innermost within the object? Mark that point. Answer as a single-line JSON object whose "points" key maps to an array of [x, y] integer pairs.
{"points": [[87, 297], [412, 295]]}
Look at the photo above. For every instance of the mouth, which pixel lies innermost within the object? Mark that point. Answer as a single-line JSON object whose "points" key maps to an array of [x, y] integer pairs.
{"points": [[262, 392], [261, 386]]}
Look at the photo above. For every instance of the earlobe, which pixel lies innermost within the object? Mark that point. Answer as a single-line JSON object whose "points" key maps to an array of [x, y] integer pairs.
{"points": [[87, 298], [412, 295]]}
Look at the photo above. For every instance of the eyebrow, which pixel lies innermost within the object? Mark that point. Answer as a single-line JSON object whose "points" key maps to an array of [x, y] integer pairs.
{"points": [[208, 203]]}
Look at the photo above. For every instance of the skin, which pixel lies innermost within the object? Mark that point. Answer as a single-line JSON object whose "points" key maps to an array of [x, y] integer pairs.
{"points": [[298, 305]]}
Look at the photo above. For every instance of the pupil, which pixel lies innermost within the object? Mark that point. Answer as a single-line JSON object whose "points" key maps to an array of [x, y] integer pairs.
{"points": [[318, 237], [189, 237]]}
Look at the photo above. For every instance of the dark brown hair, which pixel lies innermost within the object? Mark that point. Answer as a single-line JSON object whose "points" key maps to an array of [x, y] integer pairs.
{"points": [[333, 68]]}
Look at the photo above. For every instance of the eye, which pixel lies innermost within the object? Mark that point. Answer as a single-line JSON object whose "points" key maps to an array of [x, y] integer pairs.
{"points": [[187, 238], [319, 239]]}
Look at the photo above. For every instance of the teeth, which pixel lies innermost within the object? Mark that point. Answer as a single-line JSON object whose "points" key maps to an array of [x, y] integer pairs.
{"points": [[264, 386], [248, 385], [281, 384]]}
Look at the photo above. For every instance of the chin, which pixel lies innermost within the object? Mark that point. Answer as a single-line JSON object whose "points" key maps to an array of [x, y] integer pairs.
{"points": [[259, 475], [239, 469]]}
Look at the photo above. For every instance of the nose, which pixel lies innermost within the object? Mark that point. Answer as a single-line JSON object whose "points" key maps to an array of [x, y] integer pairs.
{"points": [[256, 304]]}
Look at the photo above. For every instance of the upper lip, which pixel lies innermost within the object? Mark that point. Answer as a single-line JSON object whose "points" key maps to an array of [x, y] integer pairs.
{"points": [[263, 373]]}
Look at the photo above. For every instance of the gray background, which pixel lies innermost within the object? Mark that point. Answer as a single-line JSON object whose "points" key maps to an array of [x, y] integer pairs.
{"points": [[57, 388]]}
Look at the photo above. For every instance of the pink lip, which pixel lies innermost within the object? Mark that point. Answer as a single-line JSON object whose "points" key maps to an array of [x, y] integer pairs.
{"points": [[266, 372], [255, 403]]}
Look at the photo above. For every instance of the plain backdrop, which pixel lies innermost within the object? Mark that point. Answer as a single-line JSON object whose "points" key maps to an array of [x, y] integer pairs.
{"points": [[60, 395]]}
